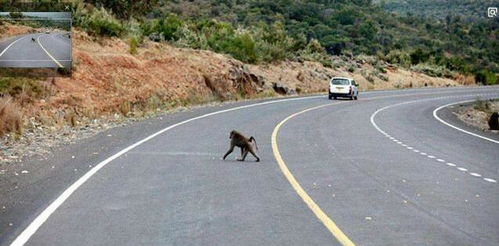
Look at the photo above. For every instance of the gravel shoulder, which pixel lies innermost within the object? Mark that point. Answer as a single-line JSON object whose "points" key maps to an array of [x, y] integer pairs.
{"points": [[476, 114]]}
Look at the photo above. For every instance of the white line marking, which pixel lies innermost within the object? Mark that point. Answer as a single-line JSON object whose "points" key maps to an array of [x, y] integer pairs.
{"points": [[26, 234], [10, 45], [51, 57], [45, 214], [434, 114], [490, 180], [457, 128]]}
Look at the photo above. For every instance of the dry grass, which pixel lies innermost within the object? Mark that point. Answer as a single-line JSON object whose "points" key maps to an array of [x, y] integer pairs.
{"points": [[465, 79], [10, 117], [478, 113]]}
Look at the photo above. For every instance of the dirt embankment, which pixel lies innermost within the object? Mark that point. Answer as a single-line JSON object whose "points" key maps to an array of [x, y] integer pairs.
{"points": [[107, 79], [478, 113], [110, 84]]}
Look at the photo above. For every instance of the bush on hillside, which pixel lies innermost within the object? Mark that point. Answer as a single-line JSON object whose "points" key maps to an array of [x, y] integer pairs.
{"points": [[486, 77], [97, 21]]}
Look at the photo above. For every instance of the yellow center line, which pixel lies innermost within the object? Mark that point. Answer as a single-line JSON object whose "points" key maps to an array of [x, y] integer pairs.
{"points": [[323, 217], [51, 57], [328, 222]]}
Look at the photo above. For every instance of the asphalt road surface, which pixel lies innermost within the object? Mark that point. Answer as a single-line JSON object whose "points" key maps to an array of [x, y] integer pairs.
{"points": [[378, 171], [38, 50]]}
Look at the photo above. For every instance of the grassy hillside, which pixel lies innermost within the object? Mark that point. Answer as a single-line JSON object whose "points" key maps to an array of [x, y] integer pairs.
{"points": [[258, 31], [471, 10], [438, 37]]}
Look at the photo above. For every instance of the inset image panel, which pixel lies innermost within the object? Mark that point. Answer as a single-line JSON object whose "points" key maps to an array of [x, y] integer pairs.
{"points": [[36, 40]]}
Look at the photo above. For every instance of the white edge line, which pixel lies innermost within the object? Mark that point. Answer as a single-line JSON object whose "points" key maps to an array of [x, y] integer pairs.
{"points": [[51, 57], [5, 50], [26, 234], [434, 114], [457, 128]]}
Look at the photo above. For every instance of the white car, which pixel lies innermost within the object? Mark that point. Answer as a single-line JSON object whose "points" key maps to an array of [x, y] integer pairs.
{"points": [[343, 87]]}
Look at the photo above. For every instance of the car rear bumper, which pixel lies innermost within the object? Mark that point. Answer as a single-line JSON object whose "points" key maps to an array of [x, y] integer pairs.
{"points": [[336, 94]]}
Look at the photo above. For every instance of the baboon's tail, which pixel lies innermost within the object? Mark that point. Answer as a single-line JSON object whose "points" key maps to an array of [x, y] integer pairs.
{"points": [[252, 139]]}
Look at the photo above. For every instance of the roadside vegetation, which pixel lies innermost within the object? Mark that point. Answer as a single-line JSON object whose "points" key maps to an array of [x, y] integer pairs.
{"points": [[470, 10], [350, 38], [266, 31]]}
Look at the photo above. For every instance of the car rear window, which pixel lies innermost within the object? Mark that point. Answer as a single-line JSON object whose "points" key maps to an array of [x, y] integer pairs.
{"points": [[340, 82]]}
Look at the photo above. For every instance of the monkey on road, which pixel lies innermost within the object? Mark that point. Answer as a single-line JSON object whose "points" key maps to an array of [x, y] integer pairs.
{"points": [[246, 145]]}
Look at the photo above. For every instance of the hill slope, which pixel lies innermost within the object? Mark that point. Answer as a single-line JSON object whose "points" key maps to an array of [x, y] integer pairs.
{"points": [[470, 10]]}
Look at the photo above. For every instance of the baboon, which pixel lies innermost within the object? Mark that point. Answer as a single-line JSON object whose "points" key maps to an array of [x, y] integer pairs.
{"points": [[246, 145], [32, 39], [494, 121]]}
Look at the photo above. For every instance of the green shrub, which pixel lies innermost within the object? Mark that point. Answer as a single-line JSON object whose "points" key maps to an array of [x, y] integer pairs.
{"points": [[133, 46], [97, 21], [419, 56], [486, 77], [241, 47], [398, 57], [169, 26], [134, 30], [188, 37], [432, 70]]}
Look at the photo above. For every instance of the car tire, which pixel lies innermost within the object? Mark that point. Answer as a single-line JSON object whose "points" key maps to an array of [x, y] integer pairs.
{"points": [[356, 97], [330, 97], [334, 98]]}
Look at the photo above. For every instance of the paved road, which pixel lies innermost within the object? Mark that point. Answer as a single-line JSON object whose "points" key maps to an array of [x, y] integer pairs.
{"points": [[382, 168], [38, 50]]}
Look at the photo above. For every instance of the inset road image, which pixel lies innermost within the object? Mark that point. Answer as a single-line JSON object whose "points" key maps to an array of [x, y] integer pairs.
{"points": [[43, 40]]}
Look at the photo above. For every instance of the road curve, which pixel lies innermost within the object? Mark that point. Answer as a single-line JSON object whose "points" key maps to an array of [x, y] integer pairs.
{"points": [[37, 50], [382, 168]]}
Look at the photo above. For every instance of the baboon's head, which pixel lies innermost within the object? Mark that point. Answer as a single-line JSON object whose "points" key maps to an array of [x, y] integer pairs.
{"points": [[495, 116], [232, 134]]}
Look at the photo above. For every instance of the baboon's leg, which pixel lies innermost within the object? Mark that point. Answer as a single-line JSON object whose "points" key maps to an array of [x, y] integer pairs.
{"points": [[229, 151], [254, 154], [243, 156], [242, 151]]}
